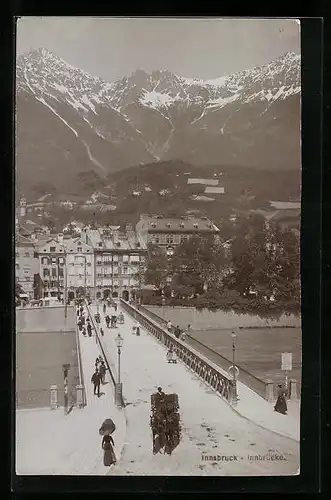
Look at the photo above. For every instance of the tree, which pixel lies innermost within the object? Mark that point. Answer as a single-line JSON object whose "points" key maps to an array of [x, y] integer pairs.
{"points": [[155, 269]]}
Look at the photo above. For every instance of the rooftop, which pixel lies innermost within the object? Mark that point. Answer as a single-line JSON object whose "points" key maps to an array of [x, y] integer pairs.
{"points": [[113, 239], [183, 224], [214, 190], [208, 182]]}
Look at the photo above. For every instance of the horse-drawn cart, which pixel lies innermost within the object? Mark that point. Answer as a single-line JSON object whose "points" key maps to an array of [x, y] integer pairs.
{"points": [[165, 422]]}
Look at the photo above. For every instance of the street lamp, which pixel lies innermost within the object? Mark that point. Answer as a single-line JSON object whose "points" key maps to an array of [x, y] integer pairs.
{"points": [[118, 388], [234, 368], [65, 368], [163, 300]]}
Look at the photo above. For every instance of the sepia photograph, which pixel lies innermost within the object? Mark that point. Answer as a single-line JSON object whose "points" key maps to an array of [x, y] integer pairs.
{"points": [[157, 246]]}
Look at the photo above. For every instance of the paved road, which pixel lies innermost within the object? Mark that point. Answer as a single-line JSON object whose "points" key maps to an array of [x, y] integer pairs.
{"points": [[210, 428]]}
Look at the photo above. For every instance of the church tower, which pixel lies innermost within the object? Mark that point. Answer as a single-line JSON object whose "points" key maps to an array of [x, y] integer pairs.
{"points": [[22, 206]]}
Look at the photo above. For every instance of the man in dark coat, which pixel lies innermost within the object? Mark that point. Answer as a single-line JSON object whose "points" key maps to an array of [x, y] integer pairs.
{"points": [[102, 370], [89, 329], [104, 308], [96, 379], [107, 318]]}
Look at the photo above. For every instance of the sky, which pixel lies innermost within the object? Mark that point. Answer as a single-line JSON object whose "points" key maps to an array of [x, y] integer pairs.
{"points": [[193, 48]]}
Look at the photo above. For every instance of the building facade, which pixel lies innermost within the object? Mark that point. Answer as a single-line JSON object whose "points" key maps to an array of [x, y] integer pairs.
{"points": [[118, 256], [79, 258], [168, 233], [26, 265], [52, 268]]}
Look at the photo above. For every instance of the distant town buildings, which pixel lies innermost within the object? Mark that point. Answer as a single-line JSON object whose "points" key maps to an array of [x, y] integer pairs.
{"points": [[52, 265], [170, 232], [26, 265], [79, 260], [117, 256]]}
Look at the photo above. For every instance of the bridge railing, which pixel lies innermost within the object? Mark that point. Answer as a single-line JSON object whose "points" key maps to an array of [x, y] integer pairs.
{"points": [[205, 369], [107, 358], [80, 365]]}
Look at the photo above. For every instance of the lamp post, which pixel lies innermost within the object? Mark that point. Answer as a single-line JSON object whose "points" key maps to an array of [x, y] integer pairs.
{"points": [[65, 368], [234, 368], [65, 286], [163, 300], [118, 388]]}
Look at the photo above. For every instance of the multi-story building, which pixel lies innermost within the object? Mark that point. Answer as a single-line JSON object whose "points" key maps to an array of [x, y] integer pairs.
{"points": [[52, 268], [117, 259], [26, 265], [168, 233], [79, 265]]}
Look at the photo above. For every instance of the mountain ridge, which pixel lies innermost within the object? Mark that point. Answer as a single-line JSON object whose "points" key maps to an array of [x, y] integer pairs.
{"points": [[82, 122]]}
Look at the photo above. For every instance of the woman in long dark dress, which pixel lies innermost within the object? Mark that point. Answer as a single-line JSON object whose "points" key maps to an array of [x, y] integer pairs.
{"points": [[281, 406], [109, 455]]}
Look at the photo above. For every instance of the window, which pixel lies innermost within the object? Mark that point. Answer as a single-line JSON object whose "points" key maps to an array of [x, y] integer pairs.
{"points": [[170, 238], [54, 271], [61, 272], [157, 240], [45, 272], [44, 260], [54, 260], [79, 249], [27, 254], [125, 270], [52, 249]]}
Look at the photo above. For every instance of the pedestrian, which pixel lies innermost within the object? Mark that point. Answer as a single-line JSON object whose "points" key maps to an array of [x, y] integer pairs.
{"points": [[109, 455], [134, 328], [107, 318], [80, 326], [115, 306], [281, 406], [169, 326], [177, 332], [104, 308], [101, 331], [96, 379], [188, 329], [77, 312], [81, 309], [89, 330], [171, 356], [138, 331], [102, 370], [84, 331], [96, 364]]}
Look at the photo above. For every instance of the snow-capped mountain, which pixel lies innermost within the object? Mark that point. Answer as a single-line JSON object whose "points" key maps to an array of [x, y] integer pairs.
{"points": [[69, 121]]}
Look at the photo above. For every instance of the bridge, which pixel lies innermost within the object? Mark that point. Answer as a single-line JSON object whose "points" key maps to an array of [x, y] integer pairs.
{"points": [[217, 437]]}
